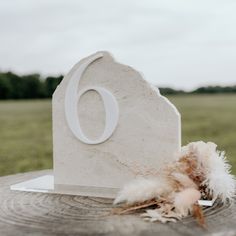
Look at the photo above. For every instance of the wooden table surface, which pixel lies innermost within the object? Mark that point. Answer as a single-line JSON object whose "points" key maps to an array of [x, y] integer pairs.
{"points": [[25, 213]]}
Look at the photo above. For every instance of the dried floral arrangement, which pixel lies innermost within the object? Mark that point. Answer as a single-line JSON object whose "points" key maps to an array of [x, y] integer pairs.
{"points": [[200, 173]]}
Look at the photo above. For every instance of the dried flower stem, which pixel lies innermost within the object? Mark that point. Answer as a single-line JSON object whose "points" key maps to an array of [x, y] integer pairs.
{"points": [[199, 216], [131, 208]]}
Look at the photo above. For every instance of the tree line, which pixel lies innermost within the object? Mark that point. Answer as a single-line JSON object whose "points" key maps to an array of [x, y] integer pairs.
{"points": [[13, 86], [201, 90]]}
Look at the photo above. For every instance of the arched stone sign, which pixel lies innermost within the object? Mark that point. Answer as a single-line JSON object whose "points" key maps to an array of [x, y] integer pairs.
{"points": [[109, 125]]}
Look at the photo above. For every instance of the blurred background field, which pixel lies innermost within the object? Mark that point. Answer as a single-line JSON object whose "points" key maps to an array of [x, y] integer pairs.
{"points": [[26, 129]]}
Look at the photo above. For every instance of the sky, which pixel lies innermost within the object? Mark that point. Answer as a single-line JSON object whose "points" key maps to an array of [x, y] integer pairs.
{"points": [[178, 43]]}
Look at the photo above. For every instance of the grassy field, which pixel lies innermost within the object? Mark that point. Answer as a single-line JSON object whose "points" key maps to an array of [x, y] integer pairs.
{"points": [[26, 140], [25, 136]]}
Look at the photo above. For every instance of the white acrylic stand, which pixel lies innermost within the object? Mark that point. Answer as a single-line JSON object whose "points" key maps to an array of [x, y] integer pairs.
{"points": [[45, 184]]}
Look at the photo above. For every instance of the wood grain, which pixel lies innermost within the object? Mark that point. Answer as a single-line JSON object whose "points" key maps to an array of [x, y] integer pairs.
{"points": [[24, 213]]}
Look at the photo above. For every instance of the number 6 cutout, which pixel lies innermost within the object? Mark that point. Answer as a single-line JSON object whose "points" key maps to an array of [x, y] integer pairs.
{"points": [[72, 98]]}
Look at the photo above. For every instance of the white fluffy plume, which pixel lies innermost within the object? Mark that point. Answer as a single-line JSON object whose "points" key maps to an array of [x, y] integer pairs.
{"points": [[214, 166], [218, 178], [143, 189], [183, 201]]}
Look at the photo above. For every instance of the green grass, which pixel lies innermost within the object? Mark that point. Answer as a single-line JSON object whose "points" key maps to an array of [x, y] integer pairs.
{"points": [[25, 136], [26, 139], [209, 118]]}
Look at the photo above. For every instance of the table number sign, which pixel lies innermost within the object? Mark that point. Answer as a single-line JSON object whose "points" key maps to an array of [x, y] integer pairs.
{"points": [[109, 126]]}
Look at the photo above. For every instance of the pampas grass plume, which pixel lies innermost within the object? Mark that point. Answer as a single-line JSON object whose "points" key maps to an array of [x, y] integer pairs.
{"points": [[143, 189], [184, 200]]}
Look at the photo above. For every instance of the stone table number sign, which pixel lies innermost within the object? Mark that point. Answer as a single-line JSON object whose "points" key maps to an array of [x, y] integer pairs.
{"points": [[109, 126]]}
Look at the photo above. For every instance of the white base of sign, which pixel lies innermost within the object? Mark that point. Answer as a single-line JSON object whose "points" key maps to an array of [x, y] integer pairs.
{"points": [[45, 184], [207, 203]]}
